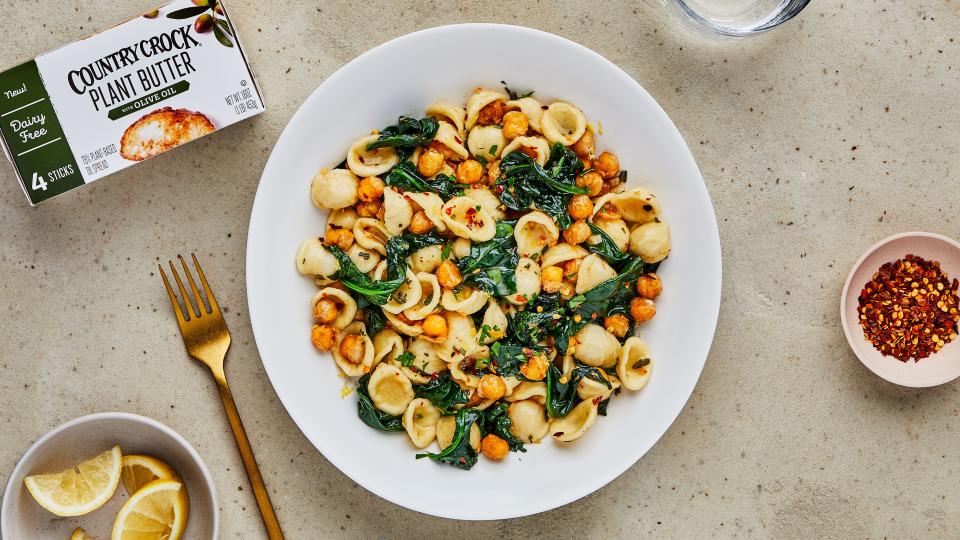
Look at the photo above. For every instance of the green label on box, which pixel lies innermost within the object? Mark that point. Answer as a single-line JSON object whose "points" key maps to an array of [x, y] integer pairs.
{"points": [[34, 136]]}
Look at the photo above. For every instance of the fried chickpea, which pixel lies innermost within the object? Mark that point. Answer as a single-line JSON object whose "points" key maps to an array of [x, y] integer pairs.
{"points": [[577, 233], [448, 274], [592, 181], [326, 311], [494, 447], [492, 114], [493, 171], [370, 189], [435, 326], [469, 172], [570, 268], [420, 223], [617, 325], [584, 147], [608, 211], [430, 162], [536, 367], [352, 348], [342, 238], [367, 209], [580, 207], [642, 309], [551, 278], [323, 337], [491, 387], [649, 286], [607, 165], [447, 153], [515, 124]]}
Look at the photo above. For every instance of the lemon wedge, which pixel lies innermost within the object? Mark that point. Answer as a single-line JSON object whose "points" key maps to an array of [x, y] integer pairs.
{"points": [[155, 511], [80, 534], [78, 490], [139, 471]]}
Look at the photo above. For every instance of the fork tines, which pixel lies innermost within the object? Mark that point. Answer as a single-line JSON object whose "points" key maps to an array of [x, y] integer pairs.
{"points": [[192, 307]]}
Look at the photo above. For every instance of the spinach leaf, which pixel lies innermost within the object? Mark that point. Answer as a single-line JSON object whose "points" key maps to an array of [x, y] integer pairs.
{"points": [[376, 292], [607, 248], [496, 421], [610, 297], [523, 183], [443, 392], [376, 320], [499, 280], [369, 414], [405, 177], [459, 454], [515, 95], [492, 265], [541, 317], [506, 357], [562, 397], [407, 243], [408, 133]]}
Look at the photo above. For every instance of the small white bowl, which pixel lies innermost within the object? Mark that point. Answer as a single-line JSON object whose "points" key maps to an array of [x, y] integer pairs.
{"points": [[85, 437], [938, 368]]}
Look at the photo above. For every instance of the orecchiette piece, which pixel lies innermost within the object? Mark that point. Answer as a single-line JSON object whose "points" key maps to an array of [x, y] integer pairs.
{"points": [[593, 271], [346, 303], [426, 259], [461, 248], [635, 364], [447, 135], [461, 338], [432, 206], [477, 101], [387, 346], [575, 424], [429, 297], [397, 211], [651, 241], [371, 234], [562, 252], [495, 321], [425, 361], [527, 277], [365, 162], [364, 259], [537, 391], [536, 147], [447, 428], [314, 259], [420, 421], [467, 218], [405, 328], [531, 108], [527, 421], [407, 296], [334, 189], [588, 388], [349, 368], [486, 141], [487, 200], [534, 232], [389, 389], [563, 123], [454, 114], [637, 205], [616, 229], [466, 301], [343, 218], [596, 347]]}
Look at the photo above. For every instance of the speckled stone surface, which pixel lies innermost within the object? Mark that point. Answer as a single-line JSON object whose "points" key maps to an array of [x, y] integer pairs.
{"points": [[815, 141]]}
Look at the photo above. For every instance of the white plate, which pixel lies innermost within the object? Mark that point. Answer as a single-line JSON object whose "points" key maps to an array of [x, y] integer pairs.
{"points": [[402, 77]]}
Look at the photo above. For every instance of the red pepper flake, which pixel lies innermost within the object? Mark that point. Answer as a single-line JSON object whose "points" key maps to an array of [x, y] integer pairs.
{"points": [[597, 400], [909, 308]]}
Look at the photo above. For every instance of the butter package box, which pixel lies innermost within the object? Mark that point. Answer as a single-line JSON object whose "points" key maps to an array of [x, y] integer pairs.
{"points": [[97, 106]]}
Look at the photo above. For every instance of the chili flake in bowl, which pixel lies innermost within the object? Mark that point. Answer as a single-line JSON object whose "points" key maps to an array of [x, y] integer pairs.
{"points": [[900, 302], [909, 308]]}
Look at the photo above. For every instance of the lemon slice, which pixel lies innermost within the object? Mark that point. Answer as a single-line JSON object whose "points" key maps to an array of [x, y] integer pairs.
{"points": [[80, 534], [78, 490], [155, 511], [139, 471]]}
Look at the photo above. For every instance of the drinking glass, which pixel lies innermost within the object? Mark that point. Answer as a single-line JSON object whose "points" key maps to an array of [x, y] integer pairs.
{"points": [[737, 18]]}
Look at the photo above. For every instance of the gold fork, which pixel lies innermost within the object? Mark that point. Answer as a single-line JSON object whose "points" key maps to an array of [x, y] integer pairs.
{"points": [[207, 339]]}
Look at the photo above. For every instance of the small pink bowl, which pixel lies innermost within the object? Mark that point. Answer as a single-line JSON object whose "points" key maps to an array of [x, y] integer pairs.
{"points": [[939, 368]]}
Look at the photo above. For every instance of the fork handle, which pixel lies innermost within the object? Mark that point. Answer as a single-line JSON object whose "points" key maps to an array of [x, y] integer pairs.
{"points": [[270, 521]]}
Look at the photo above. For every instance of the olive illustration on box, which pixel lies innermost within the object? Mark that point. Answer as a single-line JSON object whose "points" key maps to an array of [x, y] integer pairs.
{"points": [[205, 21]]}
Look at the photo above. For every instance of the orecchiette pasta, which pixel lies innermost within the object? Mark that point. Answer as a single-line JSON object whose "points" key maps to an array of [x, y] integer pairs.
{"points": [[596, 347], [651, 241], [467, 218], [397, 211], [536, 147], [345, 303], [576, 423], [563, 123], [634, 365], [420, 421], [334, 189], [534, 232], [374, 162], [314, 259], [447, 293], [390, 390]]}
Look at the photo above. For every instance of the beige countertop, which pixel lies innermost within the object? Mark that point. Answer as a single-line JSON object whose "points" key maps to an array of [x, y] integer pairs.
{"points": [[815, 141]]}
